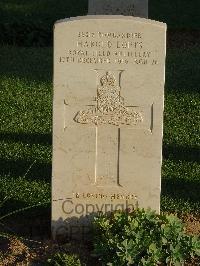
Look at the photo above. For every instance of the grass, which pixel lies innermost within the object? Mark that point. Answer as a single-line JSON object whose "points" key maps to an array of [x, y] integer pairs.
{"points": [[181, 165], [181, 168], [30, 23], [25, 135], [177, 13], [26, 129], [40, 11]]}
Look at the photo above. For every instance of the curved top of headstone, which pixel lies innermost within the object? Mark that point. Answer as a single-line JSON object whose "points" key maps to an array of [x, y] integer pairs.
{"points": [[112, 17]]}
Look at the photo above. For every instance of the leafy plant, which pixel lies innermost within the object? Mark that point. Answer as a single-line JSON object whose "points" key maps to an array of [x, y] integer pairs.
{"points": [[63, 259], [143, 238]]}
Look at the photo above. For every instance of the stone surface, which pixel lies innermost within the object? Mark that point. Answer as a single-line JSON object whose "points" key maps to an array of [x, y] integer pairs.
{"points": [[136, 8], [107, 117]]}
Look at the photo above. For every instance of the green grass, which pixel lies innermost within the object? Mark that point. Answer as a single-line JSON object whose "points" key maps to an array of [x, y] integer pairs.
{"points": [[176, 13], [181, 147], [40, 11], [25, 135], [30, 23], [26, 129]]}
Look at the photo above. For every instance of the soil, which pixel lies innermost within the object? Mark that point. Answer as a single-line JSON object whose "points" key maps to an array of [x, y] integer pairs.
{"points": [[192, 224]]}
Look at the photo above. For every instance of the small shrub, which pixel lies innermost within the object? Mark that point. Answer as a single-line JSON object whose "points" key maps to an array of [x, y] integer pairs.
{"points": [[143, 238], [63, 259]]}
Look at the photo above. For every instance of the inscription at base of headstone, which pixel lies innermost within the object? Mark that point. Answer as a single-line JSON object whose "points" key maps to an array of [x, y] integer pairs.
{"points": [[136, 8], [107, 118]]}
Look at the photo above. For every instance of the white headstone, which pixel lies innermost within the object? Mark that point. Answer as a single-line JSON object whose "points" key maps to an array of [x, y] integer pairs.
{"points": [[107, 117], [136, 8]]}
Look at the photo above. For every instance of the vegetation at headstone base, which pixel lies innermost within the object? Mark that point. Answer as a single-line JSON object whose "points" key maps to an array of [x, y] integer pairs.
{"points": [[143, 238], [30, 23], [63, 259]]}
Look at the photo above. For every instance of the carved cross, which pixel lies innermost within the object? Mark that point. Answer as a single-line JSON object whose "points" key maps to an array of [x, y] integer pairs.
{"points": [[108, 115]]}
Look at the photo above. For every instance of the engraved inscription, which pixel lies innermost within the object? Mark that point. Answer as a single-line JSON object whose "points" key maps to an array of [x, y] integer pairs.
{"points": [[112, 196], [121, 48], [110, 107]]}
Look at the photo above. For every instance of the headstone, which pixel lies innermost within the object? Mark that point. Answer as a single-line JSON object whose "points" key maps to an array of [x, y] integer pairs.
{"points": [[136, 8], [108, 117]]}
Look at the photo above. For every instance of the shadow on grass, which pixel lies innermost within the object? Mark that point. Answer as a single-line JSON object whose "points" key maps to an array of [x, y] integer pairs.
{"points": [[30, 23], [178, 66], [189, 154], [30, 64], [40, 13], [18, 168], [33, 223], [37, 138], [181, 189]]}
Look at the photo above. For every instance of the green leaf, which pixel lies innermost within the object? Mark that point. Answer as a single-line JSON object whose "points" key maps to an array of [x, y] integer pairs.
{"points": [[144, 238], [153, 248]]}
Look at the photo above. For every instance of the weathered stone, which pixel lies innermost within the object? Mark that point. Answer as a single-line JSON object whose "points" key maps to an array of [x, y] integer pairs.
{"points": [[136, 8], [108, 117]]}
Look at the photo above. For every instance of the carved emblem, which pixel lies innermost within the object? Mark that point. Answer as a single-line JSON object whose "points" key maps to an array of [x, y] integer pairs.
{"points": [[110, 107]]}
